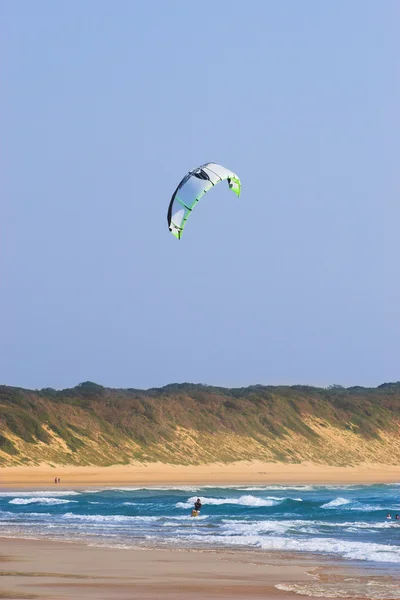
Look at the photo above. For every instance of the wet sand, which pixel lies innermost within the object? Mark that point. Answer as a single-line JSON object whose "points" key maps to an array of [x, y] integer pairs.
{"points": [[69, 571], [64, 571]]}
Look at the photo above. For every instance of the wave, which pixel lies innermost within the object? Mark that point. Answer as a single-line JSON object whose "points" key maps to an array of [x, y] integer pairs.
{"points": [[250, 501], [185, 518], [49, 501], [351, 589], [365, 551], [369, 507], [162, 488], [356, 506], [42, 493], [6, 514], [336, 502], [236, 527], [302, 487], [276, 488], [106, 518]]}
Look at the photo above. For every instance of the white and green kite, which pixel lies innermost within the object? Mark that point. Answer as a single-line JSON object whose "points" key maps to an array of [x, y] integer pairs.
{"points": [[193, 186]]}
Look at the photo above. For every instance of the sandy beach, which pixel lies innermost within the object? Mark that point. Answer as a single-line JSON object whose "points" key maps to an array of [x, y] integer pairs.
{"points": [[50, 570], [54, 570], [166, 474]]}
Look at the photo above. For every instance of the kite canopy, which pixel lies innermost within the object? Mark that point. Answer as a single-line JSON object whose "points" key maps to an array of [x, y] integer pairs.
{"points": [[193, 186]]}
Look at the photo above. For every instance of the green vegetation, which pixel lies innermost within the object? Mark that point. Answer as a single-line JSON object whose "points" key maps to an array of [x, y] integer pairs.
{"points": [[7, 446], [192, 423]]}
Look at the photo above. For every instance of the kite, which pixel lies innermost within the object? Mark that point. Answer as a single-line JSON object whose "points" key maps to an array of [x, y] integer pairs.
{"points": [[193, 186]]}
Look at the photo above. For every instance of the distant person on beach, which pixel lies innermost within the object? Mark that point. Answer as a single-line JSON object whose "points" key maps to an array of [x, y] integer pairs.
{"points": [[58, 481], [55, 479]]}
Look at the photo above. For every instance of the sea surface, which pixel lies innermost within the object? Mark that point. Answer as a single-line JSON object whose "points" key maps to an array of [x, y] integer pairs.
{"points": [[347, 522]]}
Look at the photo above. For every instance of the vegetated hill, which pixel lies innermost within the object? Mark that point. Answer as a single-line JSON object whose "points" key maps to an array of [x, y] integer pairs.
{"points": [[194, 424]]}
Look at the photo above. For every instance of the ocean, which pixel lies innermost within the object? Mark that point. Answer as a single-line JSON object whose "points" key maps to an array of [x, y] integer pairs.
{"points": [[344, 521]]}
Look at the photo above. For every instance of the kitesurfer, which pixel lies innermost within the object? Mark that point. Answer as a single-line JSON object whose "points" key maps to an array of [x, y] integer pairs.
{"points": [[197, 505]]}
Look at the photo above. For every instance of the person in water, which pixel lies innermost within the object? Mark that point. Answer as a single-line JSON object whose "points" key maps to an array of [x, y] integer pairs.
{"points": [[198, 505]]}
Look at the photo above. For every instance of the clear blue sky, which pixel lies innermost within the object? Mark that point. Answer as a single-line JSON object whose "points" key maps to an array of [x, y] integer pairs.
{"points": [[105, 106]]}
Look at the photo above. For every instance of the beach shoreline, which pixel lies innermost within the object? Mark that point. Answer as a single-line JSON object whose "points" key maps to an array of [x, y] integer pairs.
{"points": [[238, 473], [64, 570]]}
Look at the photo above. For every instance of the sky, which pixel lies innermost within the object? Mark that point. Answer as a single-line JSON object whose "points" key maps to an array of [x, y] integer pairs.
{"points": [[104, 108]]}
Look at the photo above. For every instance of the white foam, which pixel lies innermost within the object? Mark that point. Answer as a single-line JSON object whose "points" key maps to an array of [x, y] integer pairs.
{"points": [[106, 518], [49, 501], [187, 518], [301, 525], [349, 589], [336, 502], [7, 514], [278, 488], [250, 501], [245, 528], [347, 549], [367, 507], [46, 493], [162, 488]]}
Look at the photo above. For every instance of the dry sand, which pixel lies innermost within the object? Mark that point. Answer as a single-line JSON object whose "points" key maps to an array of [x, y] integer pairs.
{"points": [[214, 474], [63, 571]]}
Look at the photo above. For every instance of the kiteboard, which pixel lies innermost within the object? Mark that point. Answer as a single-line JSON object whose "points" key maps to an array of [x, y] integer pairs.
{"points": [[195, 513]]}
